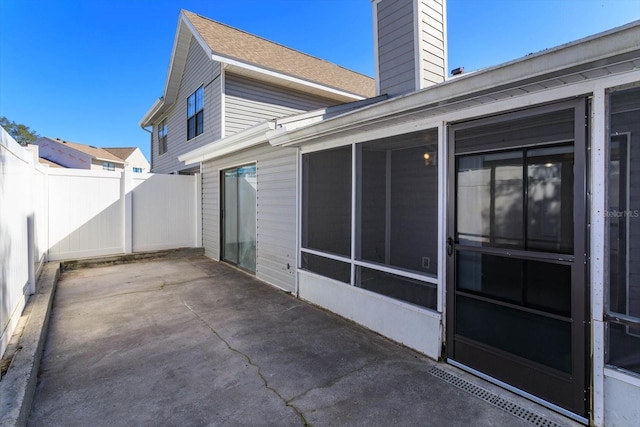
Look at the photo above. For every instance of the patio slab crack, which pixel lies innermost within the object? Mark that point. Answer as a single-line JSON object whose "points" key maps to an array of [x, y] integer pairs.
{"points": [[251, 363], [333, 381]]}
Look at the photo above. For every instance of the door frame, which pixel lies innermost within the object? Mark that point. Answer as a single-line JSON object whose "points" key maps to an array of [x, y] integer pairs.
{"points": [[221, 224], [580, 285]]}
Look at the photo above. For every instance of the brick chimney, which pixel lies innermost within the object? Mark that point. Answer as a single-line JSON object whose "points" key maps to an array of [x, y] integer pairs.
{"points": [[410, 44]]}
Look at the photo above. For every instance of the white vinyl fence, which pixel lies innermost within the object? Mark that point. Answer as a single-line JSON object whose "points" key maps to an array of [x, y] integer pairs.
{"points": [[56, 214], [23, 233], [94, 213]]}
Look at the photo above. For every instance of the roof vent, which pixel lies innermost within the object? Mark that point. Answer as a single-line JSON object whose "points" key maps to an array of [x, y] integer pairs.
{"points": [[457, 71]]}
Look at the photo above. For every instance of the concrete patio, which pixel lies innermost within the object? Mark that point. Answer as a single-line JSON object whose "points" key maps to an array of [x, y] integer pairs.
{"points": [[190, 341]]}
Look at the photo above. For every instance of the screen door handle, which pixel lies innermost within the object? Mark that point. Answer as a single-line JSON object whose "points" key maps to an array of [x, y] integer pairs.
{"points": [[449, 246]]}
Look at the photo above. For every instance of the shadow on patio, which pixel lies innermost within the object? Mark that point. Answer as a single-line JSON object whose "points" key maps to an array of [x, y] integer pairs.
{"points": [[190, 341]]}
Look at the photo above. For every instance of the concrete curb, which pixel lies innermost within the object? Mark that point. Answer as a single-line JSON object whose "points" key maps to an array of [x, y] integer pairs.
{"points": [[18, 385], [129, 258]]}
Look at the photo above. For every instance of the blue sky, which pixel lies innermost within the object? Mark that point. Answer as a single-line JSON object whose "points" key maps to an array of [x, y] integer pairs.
{"points": [[87, 70]]}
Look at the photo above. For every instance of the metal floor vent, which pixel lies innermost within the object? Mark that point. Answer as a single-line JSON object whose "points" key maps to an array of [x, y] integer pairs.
{"points": [[494, 399]]}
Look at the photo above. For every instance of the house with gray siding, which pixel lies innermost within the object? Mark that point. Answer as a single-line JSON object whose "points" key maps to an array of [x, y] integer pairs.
{"points": [[222, 80], [486, 220]]}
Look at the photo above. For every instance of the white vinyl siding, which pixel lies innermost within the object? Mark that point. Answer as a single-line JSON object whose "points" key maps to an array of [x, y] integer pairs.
{"points": [[276, 211], [199, 71], [396, 55], [249, 102], [432, 42]]}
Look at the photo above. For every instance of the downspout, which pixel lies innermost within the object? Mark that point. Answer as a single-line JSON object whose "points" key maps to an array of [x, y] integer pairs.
{"points": [[150, 145], [157, 106]]}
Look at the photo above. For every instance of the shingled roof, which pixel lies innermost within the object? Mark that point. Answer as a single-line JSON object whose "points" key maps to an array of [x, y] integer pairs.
{"points": [[121, 152], [95, 152], [257, 58], [230, 42]]}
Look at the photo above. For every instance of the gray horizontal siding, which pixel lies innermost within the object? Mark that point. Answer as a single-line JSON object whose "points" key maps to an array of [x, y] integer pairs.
{"points": [[211, 210], [432, 42], [199, 70], [249, 102], [396, 54], [276, 211]]}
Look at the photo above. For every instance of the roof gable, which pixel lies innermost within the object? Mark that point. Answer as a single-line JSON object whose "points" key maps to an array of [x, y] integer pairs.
{"points": [[258, 58], [121, 152], [229, 42]]}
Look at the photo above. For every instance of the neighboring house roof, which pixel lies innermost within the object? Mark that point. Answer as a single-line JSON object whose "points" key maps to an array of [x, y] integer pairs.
{"points": [[258, 58], [121, 152], [50, 163], [232, 43], [95, 152]]}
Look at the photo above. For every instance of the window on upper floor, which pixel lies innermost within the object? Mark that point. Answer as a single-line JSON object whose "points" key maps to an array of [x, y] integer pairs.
{"points": [[162, 137], [195, 113], [137, 170], [108, 166]]}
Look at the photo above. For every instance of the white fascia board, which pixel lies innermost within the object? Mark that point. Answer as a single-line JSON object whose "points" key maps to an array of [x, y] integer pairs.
{"points": [[611, 43], [178, 61], [302, 119], [178, 52], [174, 50], [196, 34], [240, 141], [119, 162], [290, 123], [146, 120], [284, 77], [310, 115], [298, 122], [155, 108]]}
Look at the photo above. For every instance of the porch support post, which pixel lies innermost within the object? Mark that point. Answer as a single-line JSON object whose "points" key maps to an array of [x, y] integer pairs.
{"points": [[442, 162], [198, 210], [599, 248]]}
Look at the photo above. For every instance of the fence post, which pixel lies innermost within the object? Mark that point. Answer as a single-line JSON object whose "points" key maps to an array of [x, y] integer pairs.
{"points": [[31, 256], [126, 199]]}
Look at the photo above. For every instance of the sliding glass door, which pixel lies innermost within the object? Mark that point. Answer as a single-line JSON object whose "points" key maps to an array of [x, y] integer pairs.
{"points": [[239, 216]]}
